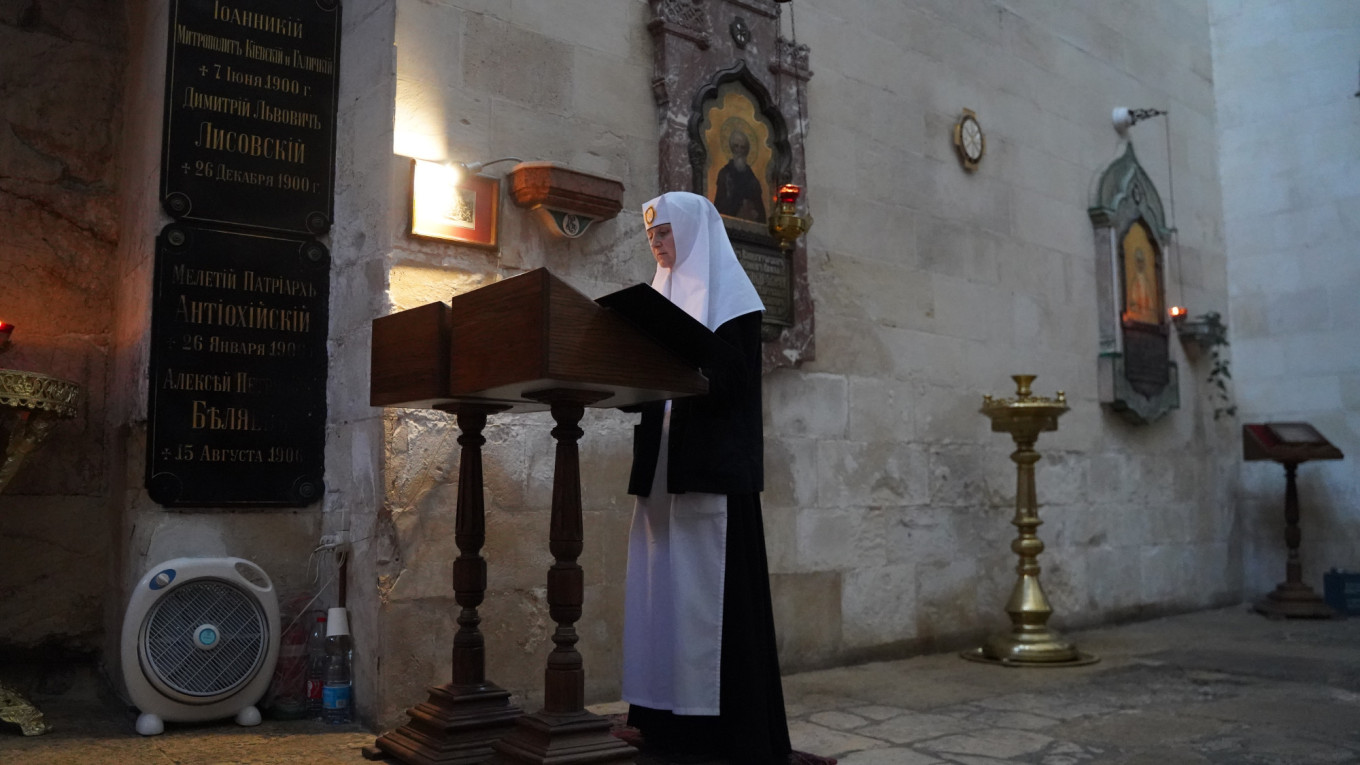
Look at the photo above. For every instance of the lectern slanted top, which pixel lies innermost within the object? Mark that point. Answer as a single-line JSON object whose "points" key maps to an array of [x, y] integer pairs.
{"points": [[529, 333]]}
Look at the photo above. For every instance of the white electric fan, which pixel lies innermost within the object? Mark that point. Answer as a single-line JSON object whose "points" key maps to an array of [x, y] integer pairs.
{"points": [[200, 641]]}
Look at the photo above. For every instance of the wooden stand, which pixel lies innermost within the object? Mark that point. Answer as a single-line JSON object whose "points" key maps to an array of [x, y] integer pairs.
{"points": [[525, 344], [1292, 599], [563, 731], [1290, 444], [461, 719]]}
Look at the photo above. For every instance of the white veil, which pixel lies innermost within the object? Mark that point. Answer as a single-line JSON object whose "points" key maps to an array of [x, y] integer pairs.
{"points": [[706, 281]]}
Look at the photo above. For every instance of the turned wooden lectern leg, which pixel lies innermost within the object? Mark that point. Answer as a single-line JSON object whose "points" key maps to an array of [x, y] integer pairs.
{"points": [[462, 719], [563, 732], [1292, 598]]}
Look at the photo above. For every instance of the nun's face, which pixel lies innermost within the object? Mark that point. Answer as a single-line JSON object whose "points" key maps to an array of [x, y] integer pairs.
{"points": [[663, 245]]}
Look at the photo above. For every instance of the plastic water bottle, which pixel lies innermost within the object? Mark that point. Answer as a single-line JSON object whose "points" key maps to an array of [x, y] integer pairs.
{"points": [[337, 693], [316, 664]]}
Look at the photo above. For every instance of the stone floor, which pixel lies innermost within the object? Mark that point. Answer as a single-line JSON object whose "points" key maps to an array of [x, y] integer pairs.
{"points": [[1222, 687]]}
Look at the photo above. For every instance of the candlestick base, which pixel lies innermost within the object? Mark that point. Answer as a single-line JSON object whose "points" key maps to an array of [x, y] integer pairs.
{"points": [[1042, 649], [16, 708]]}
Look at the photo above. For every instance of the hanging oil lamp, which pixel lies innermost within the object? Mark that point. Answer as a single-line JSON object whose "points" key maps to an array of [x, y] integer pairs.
{"points": [[786, 225]]}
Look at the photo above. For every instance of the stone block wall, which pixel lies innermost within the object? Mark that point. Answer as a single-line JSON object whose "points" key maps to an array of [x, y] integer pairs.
{"points": [[934, 285], [1288, 110], [888, 498], [478, 81], [143, 534]]}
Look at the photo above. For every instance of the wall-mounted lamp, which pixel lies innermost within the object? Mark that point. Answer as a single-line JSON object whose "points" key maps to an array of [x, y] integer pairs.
{"points": [[6, 329], [1205, 331], [1125, 118], [468, 169], [786, 225], [450, 201], [567, 201]]}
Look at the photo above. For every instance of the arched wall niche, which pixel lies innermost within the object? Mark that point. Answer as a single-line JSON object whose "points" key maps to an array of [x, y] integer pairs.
{"points": [[719, 63], [1137, 378]]}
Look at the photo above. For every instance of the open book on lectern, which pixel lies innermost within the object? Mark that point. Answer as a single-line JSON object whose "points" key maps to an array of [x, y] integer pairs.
{"points": [[664, 322]]}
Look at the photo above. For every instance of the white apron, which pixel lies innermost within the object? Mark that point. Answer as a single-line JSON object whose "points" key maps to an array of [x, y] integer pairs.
{"points": [[673, 602]]}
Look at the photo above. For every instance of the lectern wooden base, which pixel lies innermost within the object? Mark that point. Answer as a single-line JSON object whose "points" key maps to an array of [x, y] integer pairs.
{"points": [[575, 739], [456, 726], [525, 344], [1290, 444]]}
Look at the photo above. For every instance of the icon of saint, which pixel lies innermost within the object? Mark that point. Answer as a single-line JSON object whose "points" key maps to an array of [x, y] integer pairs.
{"points": [[738, 191]]}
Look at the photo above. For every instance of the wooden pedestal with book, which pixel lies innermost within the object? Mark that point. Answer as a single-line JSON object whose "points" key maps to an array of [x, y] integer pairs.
{"points": [[529, 343], [1290, 444]]}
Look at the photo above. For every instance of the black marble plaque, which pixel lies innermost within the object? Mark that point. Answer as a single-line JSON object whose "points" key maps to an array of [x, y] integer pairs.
{"points": [[250, 103], [1146, 359], [771, 271], [237, 406]]}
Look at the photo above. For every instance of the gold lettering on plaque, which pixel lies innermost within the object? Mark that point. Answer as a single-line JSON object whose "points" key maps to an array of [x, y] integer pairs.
{"points": [[187, 36], [256, 20], [277, 285], [223, 314], [293, 117], [206, 417], [236, 107], [218, 454], [251, 145], [307, 63], [262, 53], [204, 277]]}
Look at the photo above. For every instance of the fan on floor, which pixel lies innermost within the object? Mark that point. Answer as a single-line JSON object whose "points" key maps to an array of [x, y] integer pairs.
{"points": [[200, 641]]}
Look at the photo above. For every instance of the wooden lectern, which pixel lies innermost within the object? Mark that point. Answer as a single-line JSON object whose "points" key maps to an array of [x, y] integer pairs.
{"points": [[1290, 443], [528, 343]]}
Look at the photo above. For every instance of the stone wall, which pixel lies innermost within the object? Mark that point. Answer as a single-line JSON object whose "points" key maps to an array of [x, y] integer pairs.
{"points": [[146, 534], [934, 285], [60, 69], [1288, 110], [888, 499], [368, 209], [477, 81]]}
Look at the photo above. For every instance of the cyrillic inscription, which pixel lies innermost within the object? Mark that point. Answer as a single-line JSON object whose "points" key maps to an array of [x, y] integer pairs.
{"points": [[250, 113], [772, 275], [236, 412]]}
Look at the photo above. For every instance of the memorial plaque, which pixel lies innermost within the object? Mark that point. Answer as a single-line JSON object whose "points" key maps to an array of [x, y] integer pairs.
{"points": [[771, 272], [250, 103], [237, 405], [1146, 360]]}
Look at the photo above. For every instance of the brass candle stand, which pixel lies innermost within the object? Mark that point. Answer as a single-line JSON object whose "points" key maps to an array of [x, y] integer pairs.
{"points": [[1030, 642], [30, 406]]}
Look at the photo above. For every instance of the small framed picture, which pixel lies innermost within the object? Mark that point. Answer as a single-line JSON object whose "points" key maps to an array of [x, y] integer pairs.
{"points": [[453, 207]]}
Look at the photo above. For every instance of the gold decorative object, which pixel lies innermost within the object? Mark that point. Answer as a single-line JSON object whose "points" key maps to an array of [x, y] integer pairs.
{"points": [[30, 405], [14, 708], [1030, 642], [786, 225]]}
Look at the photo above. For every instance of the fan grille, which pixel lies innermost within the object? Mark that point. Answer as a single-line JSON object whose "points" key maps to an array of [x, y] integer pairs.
{"points": [[241, 646]]}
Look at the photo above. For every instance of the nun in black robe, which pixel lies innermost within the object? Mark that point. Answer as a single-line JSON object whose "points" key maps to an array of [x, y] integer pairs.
{"points": [[701, 673]]}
